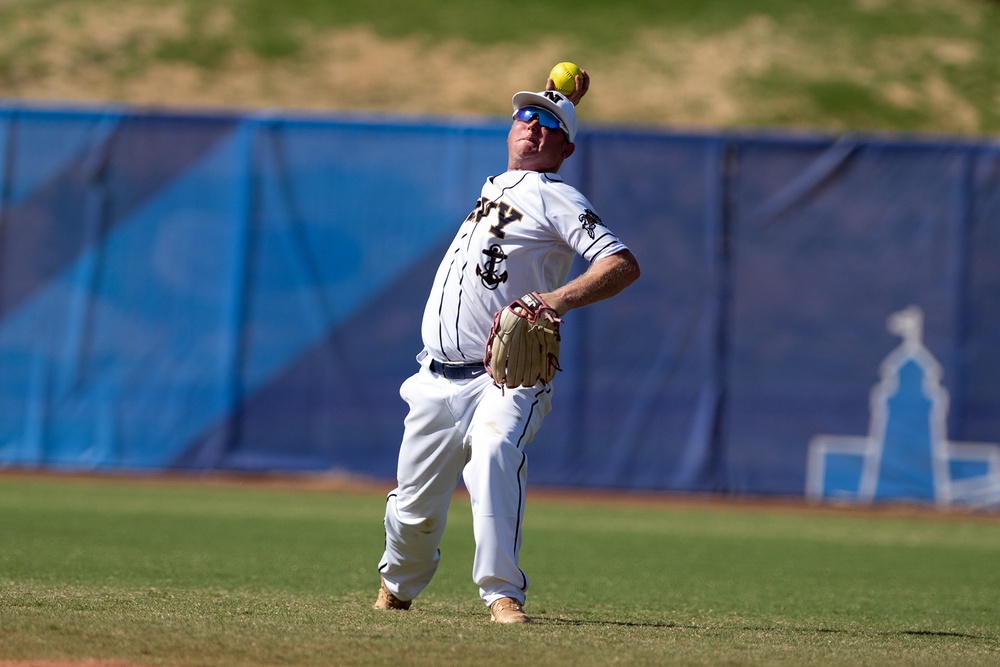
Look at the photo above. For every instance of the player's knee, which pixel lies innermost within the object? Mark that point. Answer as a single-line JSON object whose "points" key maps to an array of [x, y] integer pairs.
{"points": [[491, 451], [419, 514]]}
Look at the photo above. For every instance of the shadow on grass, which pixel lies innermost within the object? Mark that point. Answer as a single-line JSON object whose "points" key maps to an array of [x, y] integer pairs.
{"points": [[939, 633], [619, 624], [678, 626]]}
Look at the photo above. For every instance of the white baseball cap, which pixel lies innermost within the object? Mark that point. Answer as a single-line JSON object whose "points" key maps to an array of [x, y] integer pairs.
{"points": [[555, 102]]}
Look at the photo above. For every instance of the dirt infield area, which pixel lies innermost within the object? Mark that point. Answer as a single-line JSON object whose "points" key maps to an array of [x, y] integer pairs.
{"points": [[100, 52], [89, 662], [340, 482]]}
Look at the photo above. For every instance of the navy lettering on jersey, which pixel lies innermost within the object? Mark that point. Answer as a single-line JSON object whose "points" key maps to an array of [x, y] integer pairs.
{"points": [[505, 214], [482, 209]]}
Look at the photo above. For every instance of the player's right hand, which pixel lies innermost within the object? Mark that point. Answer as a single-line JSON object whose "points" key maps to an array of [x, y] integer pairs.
{"points": [[582, 86]]}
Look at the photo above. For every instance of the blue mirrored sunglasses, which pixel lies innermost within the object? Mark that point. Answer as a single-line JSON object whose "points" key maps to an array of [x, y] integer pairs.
{"points": [[545, 117]]}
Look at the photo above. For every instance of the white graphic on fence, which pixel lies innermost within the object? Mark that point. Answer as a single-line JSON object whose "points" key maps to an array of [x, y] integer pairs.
{"points": [[907, 454]]}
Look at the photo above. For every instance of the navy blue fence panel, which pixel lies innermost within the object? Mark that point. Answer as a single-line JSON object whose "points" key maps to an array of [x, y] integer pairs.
{"points": [[976, 413], [828, 240], [243, 292], [637, 403]]}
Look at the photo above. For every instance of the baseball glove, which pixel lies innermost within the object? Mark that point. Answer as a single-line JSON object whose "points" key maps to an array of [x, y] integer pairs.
{"points": [[523, 346]]}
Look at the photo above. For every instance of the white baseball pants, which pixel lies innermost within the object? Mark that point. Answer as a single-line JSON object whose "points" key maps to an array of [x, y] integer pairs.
{"points": [[473, 431]]}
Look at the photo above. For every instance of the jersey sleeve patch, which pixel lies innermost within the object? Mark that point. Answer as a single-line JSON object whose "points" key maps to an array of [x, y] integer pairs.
{"points": [[590, 221]]}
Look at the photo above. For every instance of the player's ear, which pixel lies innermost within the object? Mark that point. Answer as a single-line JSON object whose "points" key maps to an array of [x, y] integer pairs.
{"points": [[568, 149]]}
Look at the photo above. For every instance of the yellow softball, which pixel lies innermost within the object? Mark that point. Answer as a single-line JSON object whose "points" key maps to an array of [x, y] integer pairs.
{"points": [[563, 76]]}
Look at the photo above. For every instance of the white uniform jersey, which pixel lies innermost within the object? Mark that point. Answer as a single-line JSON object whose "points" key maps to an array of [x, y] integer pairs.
{"points": [[522, 236]]}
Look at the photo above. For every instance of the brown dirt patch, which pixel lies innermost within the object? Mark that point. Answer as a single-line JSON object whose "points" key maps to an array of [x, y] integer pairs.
{"points": [[345, 483], [88, 662], [107, 52], [675, 78]]}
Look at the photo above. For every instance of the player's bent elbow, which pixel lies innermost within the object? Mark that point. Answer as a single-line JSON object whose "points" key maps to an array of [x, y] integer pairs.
{"points": [[628, 268]]}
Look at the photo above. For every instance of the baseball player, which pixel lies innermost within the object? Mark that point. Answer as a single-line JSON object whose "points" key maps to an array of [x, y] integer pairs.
{"points": [[468, 421]]}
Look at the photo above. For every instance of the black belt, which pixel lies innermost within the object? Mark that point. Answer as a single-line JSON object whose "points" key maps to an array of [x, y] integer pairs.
{"points": [[457, 371]]}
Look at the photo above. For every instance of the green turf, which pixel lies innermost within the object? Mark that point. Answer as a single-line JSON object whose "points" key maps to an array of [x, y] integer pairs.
{"points": [[859, 50], [894, 65], [198, 574]]}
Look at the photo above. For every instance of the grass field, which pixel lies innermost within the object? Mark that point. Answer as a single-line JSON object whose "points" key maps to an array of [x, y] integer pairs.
{"points": [[174, 572], [161, 572], [876, 65]]}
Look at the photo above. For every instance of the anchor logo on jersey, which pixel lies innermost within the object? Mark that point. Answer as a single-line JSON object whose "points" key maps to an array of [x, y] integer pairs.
{"points": [[488, 271], [590, 221]]}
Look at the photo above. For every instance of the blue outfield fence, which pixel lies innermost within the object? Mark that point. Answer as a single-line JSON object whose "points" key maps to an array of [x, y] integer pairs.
{"points": [[816, 316]]}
